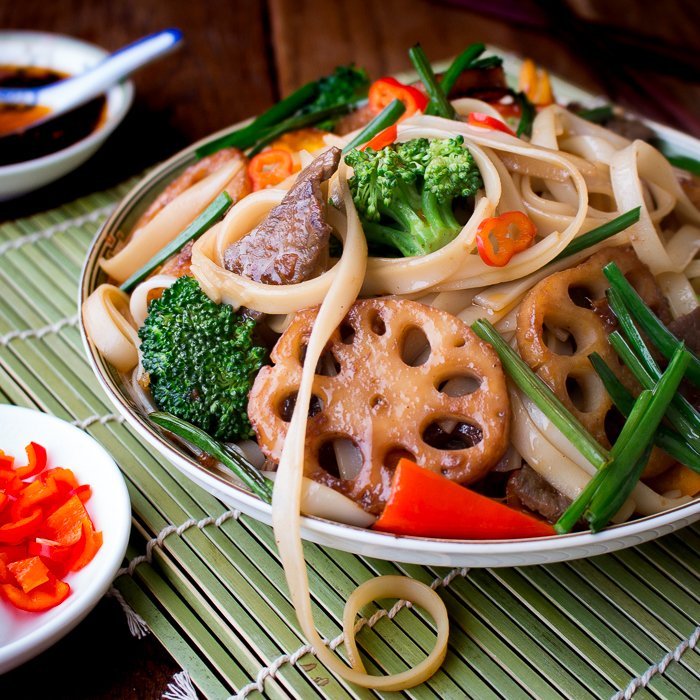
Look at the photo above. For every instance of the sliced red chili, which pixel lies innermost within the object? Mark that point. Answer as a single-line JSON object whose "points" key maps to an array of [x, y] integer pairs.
{"points": [[499, 238], [487, 122], [385, 90], [269, 168], [36, 456]]}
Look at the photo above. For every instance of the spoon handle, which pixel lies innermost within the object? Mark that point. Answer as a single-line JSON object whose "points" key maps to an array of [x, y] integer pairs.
{"points": [[81, 88]]}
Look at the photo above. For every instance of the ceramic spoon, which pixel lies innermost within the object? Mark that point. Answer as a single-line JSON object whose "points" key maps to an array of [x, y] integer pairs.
{"points": [[66, 94]]}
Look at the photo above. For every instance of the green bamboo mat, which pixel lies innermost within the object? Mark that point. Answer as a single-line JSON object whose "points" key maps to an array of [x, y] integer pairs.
{"points": [[210, 586]]}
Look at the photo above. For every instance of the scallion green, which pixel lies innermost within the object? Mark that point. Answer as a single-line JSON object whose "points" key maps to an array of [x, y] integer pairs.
{"points": [[201, 224], [239, 465]]}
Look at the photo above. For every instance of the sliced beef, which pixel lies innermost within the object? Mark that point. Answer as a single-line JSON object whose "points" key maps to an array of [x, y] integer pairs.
{"points": [[290, 245], [630, 128], [527, 488]]}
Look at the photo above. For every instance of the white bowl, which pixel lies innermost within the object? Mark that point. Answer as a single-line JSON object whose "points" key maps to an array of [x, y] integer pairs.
{"points": [[416, 550], [23, 635], [68, 55]]}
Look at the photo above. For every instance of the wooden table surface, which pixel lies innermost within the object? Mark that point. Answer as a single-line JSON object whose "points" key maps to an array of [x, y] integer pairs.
{"points": [[238, 58]]}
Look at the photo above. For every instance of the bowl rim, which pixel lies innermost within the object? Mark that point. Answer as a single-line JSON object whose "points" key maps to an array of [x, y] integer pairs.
{"points": [[410, 549], [123, 92]]}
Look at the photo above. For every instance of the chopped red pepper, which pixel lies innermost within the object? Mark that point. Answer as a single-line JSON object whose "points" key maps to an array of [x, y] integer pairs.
{"points": [[499, 238], [36, 493], [384, 91], [42, 598], [29, 573], [426, 504], [36, 456], [15, 532], [91, 542], [382, 139], [269, 168], [487, 122], [65, 524], [49, 503]]}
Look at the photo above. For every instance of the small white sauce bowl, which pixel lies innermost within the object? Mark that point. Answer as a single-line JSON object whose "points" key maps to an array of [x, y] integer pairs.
{"points": [[68, 55], [23, 635]]}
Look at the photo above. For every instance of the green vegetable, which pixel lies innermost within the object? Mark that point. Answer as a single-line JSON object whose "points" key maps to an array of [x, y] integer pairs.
{"points": [[658, 334], [598, 115], [681, 414], [346, 85], [201, 224], [388, 116], [527, 114], [600, 233], [296, 122], [467, 60], [239, 465], [405, 193], [668, 440], [317, 103], [248, 135], [612, 484], [200, 359], [439, 104], [678, 160], [542, 396]]}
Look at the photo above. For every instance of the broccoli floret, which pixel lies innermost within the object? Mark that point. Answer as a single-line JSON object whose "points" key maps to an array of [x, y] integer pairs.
{"points": [[201, 359], [344, 86], [406, 193]]}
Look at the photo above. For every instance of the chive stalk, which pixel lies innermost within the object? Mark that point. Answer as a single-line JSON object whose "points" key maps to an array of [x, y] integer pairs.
{"points": [[438, 99], [239, 465], [598, 115], [666, 439], [388, 116], [658, 334], [202, 223], [600, 233], [634, 442], [463, 62], [294, 123], [611, 485], [527, 114], [542, 396], [248, 135]]}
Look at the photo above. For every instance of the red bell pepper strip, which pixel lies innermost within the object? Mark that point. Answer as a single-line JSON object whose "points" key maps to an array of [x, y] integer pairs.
{"points": [[385, 90], [15, 532], [499, 238], [269, 168], [29, 573], [65, 524], [83, 492], [36, 493], [382, 139], [42, 598], [425, 504], [487, 122], [36, 456], [58, 559], [4, 500], [90, 544]]}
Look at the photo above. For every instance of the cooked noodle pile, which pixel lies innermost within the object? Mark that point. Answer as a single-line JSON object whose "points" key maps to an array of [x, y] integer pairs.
{"points": [[570, 177]]}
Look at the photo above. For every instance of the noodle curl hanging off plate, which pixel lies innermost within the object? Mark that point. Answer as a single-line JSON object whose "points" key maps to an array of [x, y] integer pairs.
{"points": [[360, 271]]}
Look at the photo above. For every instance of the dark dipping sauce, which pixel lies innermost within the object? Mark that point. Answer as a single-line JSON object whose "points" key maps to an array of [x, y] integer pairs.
{"points": [[56, 134]]}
